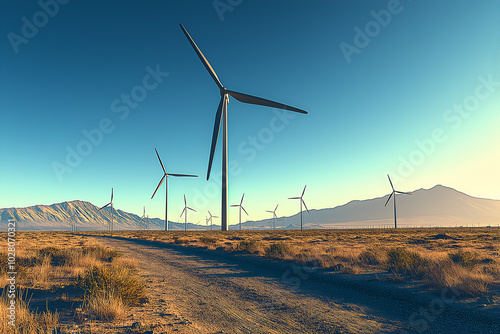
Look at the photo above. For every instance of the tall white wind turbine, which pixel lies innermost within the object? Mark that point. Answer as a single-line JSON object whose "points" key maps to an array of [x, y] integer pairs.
{"points": [[221, 116], [185, 212], [110, 203], [394, 192], [301, 198], [165, 176], [241, 208]]}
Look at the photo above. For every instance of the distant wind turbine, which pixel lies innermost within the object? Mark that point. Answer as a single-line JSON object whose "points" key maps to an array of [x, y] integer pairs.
{"points": [[211, 220], [185, 212], [222, 114], [165, 176], [142, 222], [110, 203], [274, 216], [241, 208], [394, 191], [301, 198]]}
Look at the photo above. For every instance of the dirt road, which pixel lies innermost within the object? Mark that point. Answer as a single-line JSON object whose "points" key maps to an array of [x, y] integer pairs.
{"points": [[201, 291]]}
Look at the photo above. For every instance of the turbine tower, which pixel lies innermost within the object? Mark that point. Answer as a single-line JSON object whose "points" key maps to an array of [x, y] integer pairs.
{"points": [[222, 114], [274, 216], [301, 198], [211, 220], [394, 191], [165, 176], [110, 203], [241, 207], [185, 210]]}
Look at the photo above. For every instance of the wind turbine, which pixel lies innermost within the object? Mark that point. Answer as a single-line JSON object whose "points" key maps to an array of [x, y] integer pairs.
{"points": [[301, 198], [185, 210], [241, 207], [274, 216], [222, 114], [211, 221], [165, 176], [142, 222], [110, 203], [394, 191]]}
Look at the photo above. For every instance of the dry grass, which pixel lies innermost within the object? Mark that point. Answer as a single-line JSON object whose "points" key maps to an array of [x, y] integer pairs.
{"points": [[46, 265], [106, 306], [26, 321], [461, 258]]}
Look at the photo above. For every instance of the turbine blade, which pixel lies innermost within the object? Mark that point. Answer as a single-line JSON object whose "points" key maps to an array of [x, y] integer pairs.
{"points": [[191, 209], [390, 182], [388, 199], [303, 191], [241, 202], [209, 213], [183, 211], [305, 205], [185, 203], [269, 211], [182, 175], [161, 162], [215, 216], [215, 135], [111, 195], [234, 205], [402, 192], [159, 184], [276, 208], [245, 98], [202, 58], [104, 206], [244, 210], [294, 197]]}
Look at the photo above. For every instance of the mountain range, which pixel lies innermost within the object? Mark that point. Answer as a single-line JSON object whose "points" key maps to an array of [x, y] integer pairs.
{"points": [[438, 206]]}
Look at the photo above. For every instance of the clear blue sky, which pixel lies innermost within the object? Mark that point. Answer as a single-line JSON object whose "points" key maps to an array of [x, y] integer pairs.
{"points": [[416, 95]]}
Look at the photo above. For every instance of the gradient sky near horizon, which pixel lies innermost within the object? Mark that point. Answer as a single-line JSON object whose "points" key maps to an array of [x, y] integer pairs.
{"points": [[416, 95]]}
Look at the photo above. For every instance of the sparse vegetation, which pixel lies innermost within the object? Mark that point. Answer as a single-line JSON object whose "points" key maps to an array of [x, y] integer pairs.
{"points": [[98, 281], [458, 258]]}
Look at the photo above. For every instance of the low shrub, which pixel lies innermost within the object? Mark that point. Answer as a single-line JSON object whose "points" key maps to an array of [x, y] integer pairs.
{"points": [[403, 261], [208, 240], [120, 281], [278, 250], [464, 258], [372, 256], [251, 246]]}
